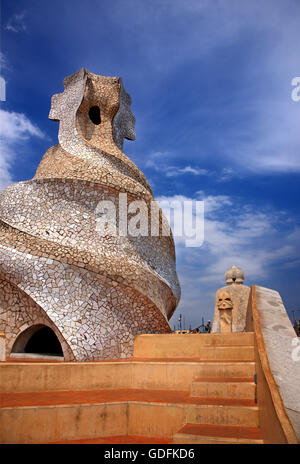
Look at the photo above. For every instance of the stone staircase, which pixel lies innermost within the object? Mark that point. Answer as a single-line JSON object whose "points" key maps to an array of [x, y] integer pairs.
{"points": [[214, 434], [231, 414], [226, 410], [187, 388]]}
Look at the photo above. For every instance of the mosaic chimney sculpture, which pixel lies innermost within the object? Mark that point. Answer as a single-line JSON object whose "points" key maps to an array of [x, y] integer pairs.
{"points": [[94, 290], [231, 303]]}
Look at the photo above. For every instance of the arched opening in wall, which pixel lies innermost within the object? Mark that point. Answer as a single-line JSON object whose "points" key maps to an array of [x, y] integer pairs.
{"points": [[37, 341]]}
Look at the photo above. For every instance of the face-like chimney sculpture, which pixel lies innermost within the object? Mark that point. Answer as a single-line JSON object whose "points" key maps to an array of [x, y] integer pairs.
{"points": [[231, 303], [93, 288]]}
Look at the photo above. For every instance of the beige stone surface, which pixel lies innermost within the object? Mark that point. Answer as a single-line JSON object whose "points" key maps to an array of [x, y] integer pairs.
{"points": [[2, 347], [282, 348], [112, 396], [95, 291], [215, 389], [225, 306], [43, 424], [156, 374], [203, 346], [239, 296]]}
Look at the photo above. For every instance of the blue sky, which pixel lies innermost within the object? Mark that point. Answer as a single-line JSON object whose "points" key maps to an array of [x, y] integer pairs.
{"points": [[211, 88]]}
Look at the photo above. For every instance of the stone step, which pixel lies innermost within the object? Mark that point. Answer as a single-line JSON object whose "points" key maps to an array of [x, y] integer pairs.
{"points": [[227, 412], [217, 353], [209, 434], [223, 388], [121, 439], [187, 345], [160, 374], [42, 417], [51, 423], [112, 396], [226, 353]]}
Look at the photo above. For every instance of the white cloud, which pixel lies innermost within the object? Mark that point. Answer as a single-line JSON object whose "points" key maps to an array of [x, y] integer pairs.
{"points": [[15, 128], [174, 172], [237, 233], [157, 161], [265, 136], [226, 175], [269, 142], [17, 23], [272, 141], [3, 61], [213, 202], [3, 65], [153, 160]]}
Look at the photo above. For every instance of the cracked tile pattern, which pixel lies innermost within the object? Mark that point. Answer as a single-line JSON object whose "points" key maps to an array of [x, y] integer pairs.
{"points": [[95, 291]]}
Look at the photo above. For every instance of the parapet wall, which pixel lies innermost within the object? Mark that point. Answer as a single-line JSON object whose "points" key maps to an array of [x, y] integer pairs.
{"points": [[278, 366]]}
